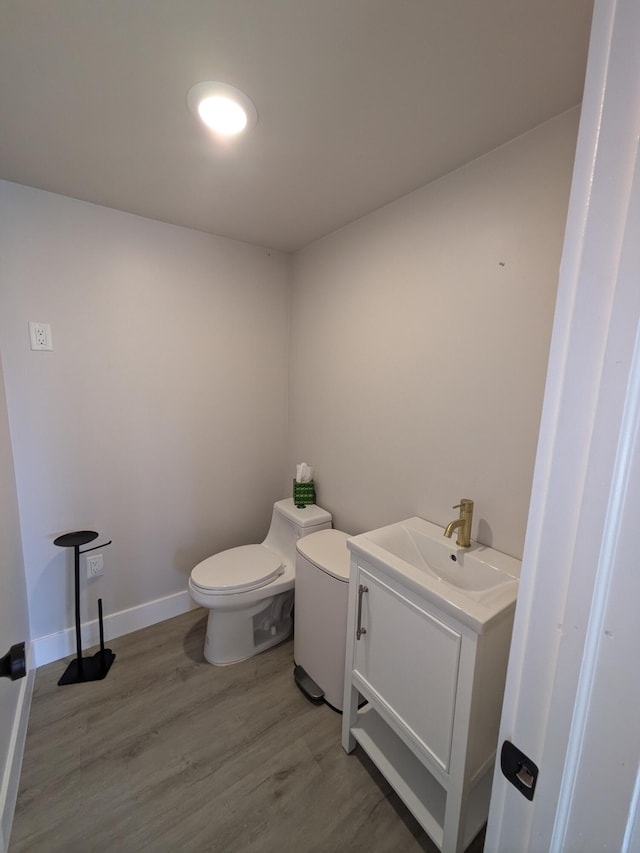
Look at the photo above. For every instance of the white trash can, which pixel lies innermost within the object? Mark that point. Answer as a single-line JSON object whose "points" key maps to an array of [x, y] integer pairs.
{"points": [[320, 621]]}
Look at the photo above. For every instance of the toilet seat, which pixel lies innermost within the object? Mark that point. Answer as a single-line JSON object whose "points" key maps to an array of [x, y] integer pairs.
{"points": [[237, 570]]}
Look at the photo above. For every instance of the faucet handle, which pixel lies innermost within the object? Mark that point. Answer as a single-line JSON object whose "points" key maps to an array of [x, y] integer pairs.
{"points": [[465, 503]]}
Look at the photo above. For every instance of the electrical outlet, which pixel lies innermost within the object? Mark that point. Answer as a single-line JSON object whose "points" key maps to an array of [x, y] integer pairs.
{"points": [[95, 566], [40, 336]]}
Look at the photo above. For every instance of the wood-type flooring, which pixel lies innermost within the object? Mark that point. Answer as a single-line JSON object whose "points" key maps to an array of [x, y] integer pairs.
{"points": [[169, 753]]}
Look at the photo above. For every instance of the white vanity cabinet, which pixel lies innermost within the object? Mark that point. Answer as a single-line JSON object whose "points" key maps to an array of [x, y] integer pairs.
{"points": [[434, 687]]}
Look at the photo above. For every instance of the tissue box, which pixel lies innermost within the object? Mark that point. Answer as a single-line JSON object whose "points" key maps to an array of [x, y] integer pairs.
{"points": [[304, 493]]}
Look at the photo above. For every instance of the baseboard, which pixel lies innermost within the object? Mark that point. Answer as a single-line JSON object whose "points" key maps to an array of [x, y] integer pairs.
{"points": [[11, 773], [63, 643]]}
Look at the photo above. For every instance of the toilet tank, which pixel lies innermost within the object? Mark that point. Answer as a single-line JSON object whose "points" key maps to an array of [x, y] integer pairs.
{"points": [[289, 523]]}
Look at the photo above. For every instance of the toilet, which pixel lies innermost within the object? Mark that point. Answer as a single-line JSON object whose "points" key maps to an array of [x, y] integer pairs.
{"points": [[249, 590]]}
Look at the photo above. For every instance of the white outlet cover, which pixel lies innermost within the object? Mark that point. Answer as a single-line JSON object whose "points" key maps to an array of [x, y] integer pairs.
{"points": [[95, 566], [40, 336]]}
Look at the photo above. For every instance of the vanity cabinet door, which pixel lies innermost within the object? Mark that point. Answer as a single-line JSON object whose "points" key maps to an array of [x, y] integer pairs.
{"points": [[408, 661]]}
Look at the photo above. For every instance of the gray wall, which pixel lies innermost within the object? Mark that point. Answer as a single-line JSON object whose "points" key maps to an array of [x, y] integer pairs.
{"points": [[159, 419], [419, 344]]}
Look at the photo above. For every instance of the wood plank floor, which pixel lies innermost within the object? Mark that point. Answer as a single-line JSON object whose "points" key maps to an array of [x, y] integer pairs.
{"points": [[169, 753]]}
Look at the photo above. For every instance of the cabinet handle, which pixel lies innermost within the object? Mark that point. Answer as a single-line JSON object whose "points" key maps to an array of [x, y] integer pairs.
{"points": [[360, 630]]}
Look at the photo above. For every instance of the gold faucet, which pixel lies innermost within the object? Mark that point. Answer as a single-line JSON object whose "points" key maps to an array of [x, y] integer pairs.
{"points": [[462, 524]]}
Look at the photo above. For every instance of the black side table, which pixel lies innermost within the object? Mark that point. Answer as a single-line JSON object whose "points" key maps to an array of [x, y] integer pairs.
{"points": [[96, 667]]}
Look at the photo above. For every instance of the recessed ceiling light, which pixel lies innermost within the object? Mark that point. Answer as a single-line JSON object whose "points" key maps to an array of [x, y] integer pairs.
{"points": [[223, 108]]}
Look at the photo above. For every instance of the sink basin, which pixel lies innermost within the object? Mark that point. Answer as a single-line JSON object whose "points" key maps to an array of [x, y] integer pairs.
{"points": [[456, 566], [475, 584]]}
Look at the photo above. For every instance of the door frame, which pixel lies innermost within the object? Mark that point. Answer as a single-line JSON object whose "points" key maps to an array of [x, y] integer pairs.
{"points": [[574, 614]]}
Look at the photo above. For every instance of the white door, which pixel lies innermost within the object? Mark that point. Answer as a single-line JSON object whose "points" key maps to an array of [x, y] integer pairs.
{"points": [[573, 688], [14, 629]]}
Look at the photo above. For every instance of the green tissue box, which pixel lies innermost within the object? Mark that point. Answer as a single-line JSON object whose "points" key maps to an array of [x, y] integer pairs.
{"points": [[304, 493]]}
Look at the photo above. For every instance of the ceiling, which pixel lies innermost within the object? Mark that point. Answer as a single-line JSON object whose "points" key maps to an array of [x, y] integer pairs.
{"points": [[359, 101]]}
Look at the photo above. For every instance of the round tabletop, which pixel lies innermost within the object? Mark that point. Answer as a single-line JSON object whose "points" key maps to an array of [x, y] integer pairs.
{"points": [[77, 538]]}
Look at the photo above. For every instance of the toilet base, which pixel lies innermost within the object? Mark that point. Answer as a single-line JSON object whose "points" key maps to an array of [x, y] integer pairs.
{"points": [[239, 634]]}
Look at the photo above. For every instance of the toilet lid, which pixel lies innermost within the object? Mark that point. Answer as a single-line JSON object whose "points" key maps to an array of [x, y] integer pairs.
{"points": [[237, 570]]}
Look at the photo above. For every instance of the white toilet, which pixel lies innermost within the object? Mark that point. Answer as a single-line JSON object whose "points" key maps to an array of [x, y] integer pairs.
{"points": [[249, 590]]}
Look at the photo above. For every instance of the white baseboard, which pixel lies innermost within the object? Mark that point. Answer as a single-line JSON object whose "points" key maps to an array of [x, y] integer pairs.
{"points": [[63, 643], [11, 774]]}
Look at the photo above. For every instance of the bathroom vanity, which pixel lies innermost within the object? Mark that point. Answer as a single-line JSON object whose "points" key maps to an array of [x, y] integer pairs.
{"points": [[428, 640]]}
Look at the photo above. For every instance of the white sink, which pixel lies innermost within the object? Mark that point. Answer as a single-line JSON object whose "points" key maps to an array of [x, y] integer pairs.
{"points": [[476, 584]]}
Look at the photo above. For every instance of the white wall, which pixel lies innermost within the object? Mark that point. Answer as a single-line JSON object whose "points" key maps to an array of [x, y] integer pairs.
{"points": [[159, 419], [14, 629], [419, 344]]}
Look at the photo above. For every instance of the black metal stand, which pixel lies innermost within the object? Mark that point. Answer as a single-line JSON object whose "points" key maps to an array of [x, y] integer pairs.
{"points": [[96, 667]]}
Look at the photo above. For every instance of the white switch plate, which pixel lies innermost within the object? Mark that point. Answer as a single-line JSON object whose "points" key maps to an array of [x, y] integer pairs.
{"points": [[40, 336]]}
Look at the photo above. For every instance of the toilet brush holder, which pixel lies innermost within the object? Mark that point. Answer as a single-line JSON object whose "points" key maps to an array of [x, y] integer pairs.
{"points": [[304, 493]]}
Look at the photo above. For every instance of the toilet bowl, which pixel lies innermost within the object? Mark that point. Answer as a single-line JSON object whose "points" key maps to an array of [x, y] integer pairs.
{"points": [[249, 590]]}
